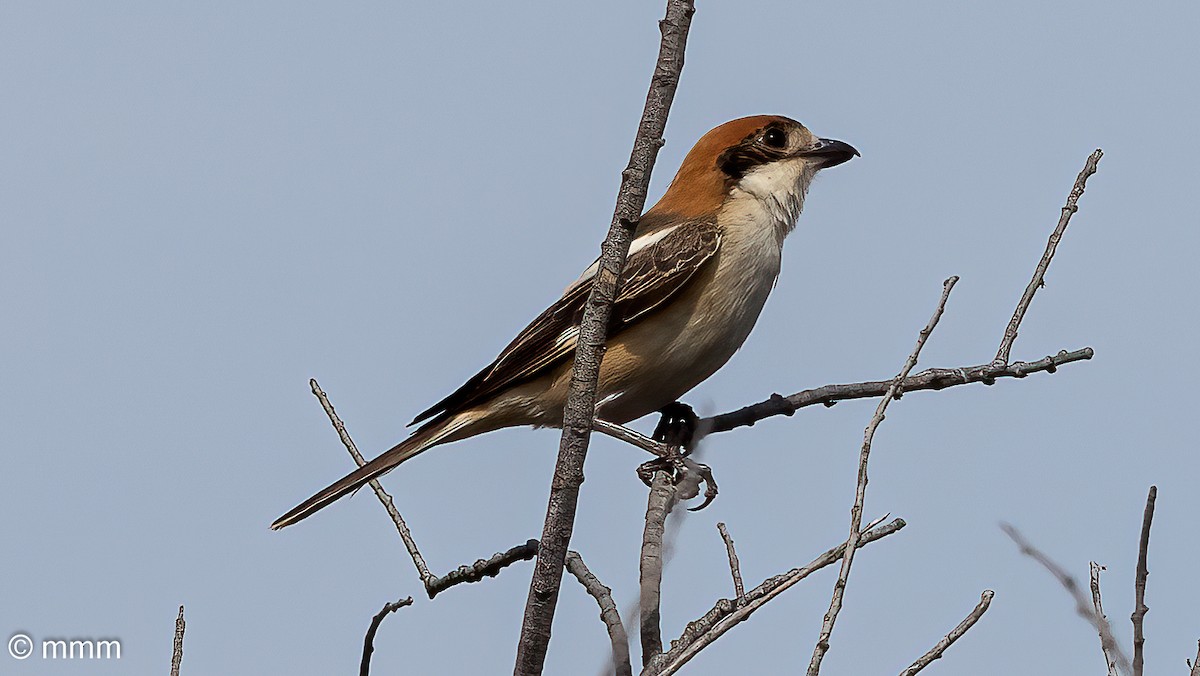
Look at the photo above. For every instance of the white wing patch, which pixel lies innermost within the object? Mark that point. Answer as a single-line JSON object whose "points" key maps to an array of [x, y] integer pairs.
{"points": [[634, 247]]}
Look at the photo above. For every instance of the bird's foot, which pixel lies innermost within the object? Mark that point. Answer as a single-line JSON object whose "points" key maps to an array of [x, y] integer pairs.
{"points": [[677, 426]]}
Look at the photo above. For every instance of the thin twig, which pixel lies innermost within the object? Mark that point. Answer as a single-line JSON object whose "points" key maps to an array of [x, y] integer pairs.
{"points": [[434, 584], [1095, 569], [1139, 585], [177, 646], [590, 344], [860, 493], [405, 535], [725, 614], [1195, 665], [631, 436], [662, 499], [482, 568], [364, 667], [1039, 274], [929, 379], [935, 653], [735, 567], [608, 613], [1082, 603]]}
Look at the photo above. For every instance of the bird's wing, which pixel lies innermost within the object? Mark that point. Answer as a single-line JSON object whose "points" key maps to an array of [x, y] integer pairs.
{"points": [[657, 269]]}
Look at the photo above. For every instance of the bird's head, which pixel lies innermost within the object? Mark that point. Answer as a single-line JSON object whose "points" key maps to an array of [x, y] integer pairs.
{"points": [[767, 159]]}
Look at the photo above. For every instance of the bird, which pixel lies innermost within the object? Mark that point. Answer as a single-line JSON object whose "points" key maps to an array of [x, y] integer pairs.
{"points": [[700, 266]]}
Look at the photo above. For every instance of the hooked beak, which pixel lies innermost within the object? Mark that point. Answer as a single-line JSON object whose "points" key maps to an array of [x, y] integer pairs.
{"points": [[833, 152]]}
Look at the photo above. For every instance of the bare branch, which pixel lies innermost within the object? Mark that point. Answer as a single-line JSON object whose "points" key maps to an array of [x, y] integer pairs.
{"points": [[935, 653], [726, 615], [658, 506], [734, 566], [1139, 585], [482, 568], [364, 668], [1082, 603], [1195, 665], [608, 613], [384, 498], [1099, 606], [860, 494], [177, 646], [929, 379], [590, 344], [1039, 274], [631, 436]]}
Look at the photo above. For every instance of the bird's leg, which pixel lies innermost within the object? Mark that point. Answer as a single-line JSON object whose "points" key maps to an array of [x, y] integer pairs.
{"points": [[676, 429]]}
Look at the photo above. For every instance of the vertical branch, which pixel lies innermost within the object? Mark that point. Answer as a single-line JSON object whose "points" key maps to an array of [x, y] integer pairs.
{"points": [[593, 328], [735, 567], [1096, 602], [1039, 274], [860, 493], [608, 613], [364, 667], [658, 507], [177, 646], [936, 652], [1139, 584], [384, 497]]}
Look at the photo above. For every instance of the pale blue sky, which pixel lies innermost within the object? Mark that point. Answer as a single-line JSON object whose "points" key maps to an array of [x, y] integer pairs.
{"points": [[204, 205]]}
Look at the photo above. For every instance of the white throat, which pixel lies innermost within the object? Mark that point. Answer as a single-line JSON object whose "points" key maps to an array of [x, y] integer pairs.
{"points": [[772, 195]]}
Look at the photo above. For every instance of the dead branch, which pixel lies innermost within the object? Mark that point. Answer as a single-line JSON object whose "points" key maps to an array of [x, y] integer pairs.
{"points": [[725, 613], [1038, 281], [433, 584], [735, 568], [364, 668], [662, 499], [1099, 606], [177, 645], [860, 494], [929, 379], [935, 653], [1082, 605], [593, 329], [608, 613], [1195, 664], [1139, 585]]}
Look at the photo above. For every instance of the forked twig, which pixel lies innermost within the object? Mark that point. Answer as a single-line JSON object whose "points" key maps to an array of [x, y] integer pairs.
{"points": [[935, 653], [860, 493]]}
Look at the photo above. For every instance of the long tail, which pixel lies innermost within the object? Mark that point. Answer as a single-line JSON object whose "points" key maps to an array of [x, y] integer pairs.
{"points": [[429, 435]]}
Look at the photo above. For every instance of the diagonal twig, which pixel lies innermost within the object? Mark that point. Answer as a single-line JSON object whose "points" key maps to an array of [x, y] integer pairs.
{"points": [[726, 614], [177, 644], [608, 613], [1082, 603], [1195, 665], [1097, 603], [935, 653], [1039, 274], [735, 568], [590, 344], [364, 668], [434, 584], [860, 494], [1139, 585]]}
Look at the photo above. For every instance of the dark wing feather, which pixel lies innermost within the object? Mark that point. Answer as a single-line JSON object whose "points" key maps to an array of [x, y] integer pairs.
{"points": [[651, 276]]}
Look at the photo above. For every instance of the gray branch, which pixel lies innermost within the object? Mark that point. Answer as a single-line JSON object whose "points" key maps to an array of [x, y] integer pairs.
{"points": [[860, 493], [661, 500], [735, 567], [1083, 605], [608, 613], [433, 583], [177, 645], [726, 614], [1039, 274], [593, 329], [1195, 665], [935, 653], [1139, 585], [364, 667], [1098, 604]]}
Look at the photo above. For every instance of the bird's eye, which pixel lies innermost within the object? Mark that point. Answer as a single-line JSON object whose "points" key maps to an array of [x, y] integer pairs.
{"points": [[775, 138]]}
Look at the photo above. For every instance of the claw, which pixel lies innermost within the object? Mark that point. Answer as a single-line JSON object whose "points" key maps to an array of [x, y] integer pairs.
{"points": [[710, 484]]}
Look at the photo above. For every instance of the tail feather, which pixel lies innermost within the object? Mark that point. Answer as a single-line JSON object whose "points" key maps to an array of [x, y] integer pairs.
{"points": [[429, 435]]}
